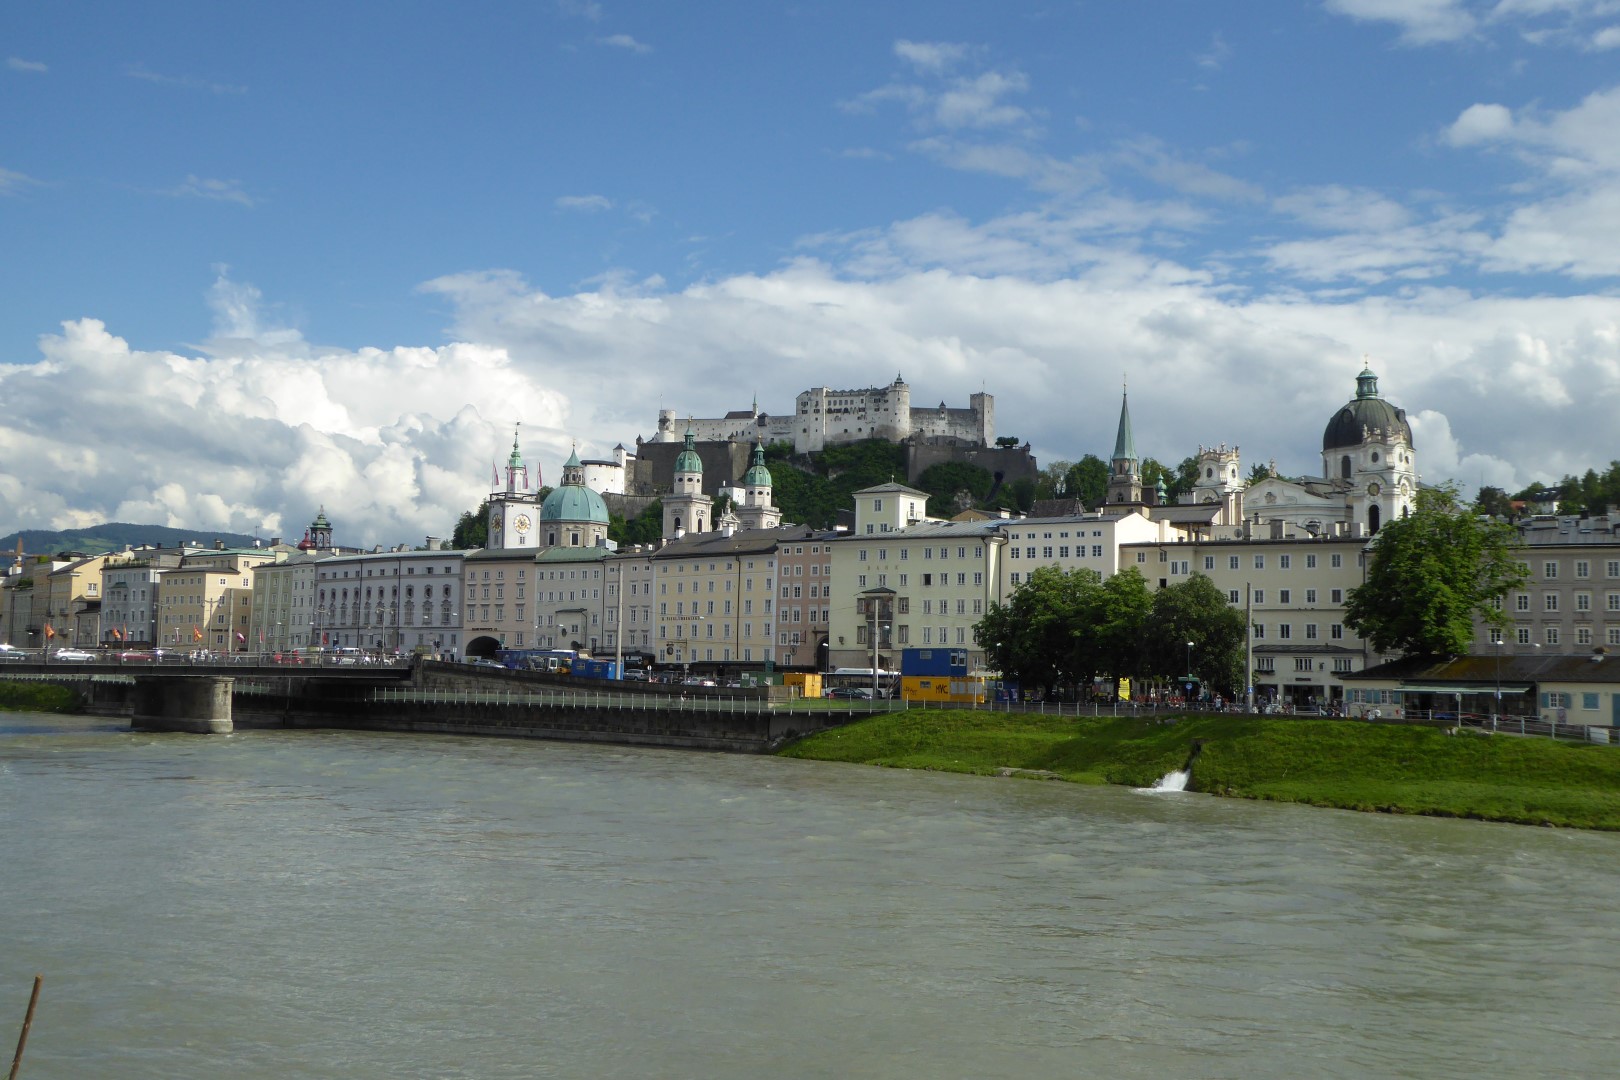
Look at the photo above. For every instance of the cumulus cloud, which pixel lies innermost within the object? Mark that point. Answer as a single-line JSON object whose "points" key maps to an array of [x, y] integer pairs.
{"points": [[947, 101], [1480, 123], [256, 430]]}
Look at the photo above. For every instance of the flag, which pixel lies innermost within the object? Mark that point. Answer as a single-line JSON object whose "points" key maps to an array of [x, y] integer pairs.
{"points": [[50, 631], [116, 635], [241, 637], [495, 475], [196, 633]]}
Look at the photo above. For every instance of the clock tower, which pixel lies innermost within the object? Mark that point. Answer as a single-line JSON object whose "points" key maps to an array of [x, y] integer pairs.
{"points": [[514, 509]]}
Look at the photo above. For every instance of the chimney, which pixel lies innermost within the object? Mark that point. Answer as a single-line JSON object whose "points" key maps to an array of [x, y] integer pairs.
{"points": [[219, 545]]}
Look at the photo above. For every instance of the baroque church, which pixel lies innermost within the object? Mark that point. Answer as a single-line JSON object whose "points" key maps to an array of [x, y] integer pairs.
{"points": [[1369, 477]]}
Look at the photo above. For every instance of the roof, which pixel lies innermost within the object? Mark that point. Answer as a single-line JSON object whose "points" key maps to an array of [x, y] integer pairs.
{"points": [[1444, 674], [1367, 410], [1125, 442], [561, 554], [892, 488]]}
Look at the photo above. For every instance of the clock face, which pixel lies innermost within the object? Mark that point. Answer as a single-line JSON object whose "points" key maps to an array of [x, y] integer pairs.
{"points": [[522, 522], [1373, 488]]}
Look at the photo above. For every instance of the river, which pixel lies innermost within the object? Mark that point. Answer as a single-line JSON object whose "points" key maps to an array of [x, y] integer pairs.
{"points": [[324, 905]]}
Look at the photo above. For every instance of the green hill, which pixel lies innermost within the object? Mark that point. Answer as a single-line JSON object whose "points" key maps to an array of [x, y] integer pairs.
{"points": [[114, 536]]}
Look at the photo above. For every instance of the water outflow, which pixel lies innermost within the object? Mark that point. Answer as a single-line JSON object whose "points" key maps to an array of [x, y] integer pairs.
{"points": [[1176, 781]]}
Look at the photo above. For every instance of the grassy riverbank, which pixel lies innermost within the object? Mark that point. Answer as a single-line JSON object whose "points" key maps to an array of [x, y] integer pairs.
{"points": [[37, 697], [1337, 763]]}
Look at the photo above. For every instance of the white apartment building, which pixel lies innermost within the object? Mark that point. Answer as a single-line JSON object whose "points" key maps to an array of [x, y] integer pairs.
{"points": [[393, 601], [1571, 602]]}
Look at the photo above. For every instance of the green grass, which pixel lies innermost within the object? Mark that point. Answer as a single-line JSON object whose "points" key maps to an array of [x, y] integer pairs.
{"points": [[1338, 763], [37, 697]]}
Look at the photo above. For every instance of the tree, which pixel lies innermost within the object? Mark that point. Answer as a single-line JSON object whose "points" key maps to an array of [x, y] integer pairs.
{"points": [[1087, 481], [951, 482], [1031, 639], [1432, 573], [1493, 502], [1196, 611], [472, 528], [1259, 472], [1117, 623], [645, 528], [1051, 484]]}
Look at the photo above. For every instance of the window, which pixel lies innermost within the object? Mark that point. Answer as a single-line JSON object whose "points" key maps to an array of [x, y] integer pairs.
{"points": [[1521, 602], [1336, 560], [1310, 596], [1259, 631], [1263, 664], [1337, 596], [1310, 631], [1284, 596], [1583, 601], [1342, 663], [1521, 635], [1259, 562], [1302, 663], [1583, 635], [1259, 596], [1285, 631], [1336, 631], [1612, 568], [1583, 569], [1285, 562], [1552, 635], [1549, 570], [1209, 562], [1310, 562], [1231, 562], [1232, 596], [1614, 635], [1612, 601], [1096, 551], [1550, 601]]}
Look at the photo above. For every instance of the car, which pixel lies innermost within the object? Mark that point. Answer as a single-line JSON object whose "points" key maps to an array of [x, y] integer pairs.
{"points": [[850, 693], [74, 655], [9, 653], [486, 662], [635, 675], [136, 656]]}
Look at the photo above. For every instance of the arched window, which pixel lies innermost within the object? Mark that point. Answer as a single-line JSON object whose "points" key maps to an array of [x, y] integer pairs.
{"points": [[1372, 518], [1344, 466]]}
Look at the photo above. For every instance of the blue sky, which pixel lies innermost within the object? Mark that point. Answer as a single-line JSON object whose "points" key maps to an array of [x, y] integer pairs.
{"points": [[260, 260]]}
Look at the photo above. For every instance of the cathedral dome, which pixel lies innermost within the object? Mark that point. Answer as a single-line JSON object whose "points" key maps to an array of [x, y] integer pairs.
{"points": [[1367, 410], [572, 500], [688, 461], [757, 475], [571, 503]]}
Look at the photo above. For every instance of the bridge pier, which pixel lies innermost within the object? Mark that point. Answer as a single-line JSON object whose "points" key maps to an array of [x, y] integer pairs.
{"points": [[200, 704]]}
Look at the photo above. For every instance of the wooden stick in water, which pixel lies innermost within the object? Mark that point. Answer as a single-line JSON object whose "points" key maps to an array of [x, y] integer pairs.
{"points": [[28, 1021]]}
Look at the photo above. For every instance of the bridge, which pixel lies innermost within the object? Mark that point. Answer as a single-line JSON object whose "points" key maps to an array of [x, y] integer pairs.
{"points": [[438, 697]]}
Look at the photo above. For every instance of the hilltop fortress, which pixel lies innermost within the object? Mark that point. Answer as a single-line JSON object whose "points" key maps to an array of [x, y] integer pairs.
{"points": [[824, 417]]}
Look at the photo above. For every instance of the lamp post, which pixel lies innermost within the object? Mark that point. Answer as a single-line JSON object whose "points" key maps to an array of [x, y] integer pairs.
{"points": [[1189, 672], [1496, 712]]}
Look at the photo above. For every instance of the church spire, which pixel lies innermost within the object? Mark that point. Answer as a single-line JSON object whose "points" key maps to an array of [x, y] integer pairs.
{"points": [[1125, 472]]}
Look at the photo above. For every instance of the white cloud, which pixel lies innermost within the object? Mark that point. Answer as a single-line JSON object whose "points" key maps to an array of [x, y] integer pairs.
{"points": [[13, 182], [202, 187], [1480, 123], [930, 56], [624, 41], [17, 63], [1607, 38], [185, 82], [1215, 57], [1340, 208], [584, 203], [1422, 22]]}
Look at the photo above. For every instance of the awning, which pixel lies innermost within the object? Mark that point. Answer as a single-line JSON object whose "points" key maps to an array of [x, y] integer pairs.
{"points": [[1472, 688]]}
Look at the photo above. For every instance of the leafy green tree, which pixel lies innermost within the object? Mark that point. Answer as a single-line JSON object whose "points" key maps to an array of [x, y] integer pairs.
{"points": [[1196, 611], [1432, 573], [951, 481], [1087, 480], [1110, 642], [645, 528], [1493, 502], [472, 528], [1051, 484], [1032, 637]]}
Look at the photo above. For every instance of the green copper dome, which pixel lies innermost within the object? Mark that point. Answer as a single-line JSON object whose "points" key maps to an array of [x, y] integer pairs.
{"points": [[688, 461], [574, 503], [757, 475]]}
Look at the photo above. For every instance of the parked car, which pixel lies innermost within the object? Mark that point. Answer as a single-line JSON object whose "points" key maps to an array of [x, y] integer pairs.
{"points": [[74, 655], [850, 693], [136, 656], [8, 652], [486, 662]]}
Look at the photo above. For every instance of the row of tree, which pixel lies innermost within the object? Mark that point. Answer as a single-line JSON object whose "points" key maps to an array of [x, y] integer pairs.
{"points": [[1434, 575], [1061, 630]]}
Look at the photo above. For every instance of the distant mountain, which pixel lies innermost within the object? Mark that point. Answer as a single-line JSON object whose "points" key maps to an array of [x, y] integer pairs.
{"points": [[114, 536]]}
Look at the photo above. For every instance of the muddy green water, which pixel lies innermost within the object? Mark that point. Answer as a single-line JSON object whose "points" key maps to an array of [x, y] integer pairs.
{"points": [[284, 905]]}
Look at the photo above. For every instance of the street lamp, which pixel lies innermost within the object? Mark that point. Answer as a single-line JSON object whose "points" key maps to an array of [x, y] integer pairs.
{"points": [[1497, 712], [1189, 672]]}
